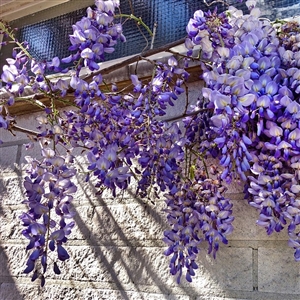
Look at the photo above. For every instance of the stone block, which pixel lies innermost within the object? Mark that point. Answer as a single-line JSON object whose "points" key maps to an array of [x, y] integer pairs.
{"points": [[58, 292], [95, 294], [278, 272], [11, 225], [12, 260], [107, 266], [8, 159], [86, 191], [83, 223], [129, 222], [245, 227], [118, 265], [9, 291], [11, 191], [231, 270], [148, 266]]}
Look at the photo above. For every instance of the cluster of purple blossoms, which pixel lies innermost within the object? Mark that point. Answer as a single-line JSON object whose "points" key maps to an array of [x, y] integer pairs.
{"points": [[160, 163], [23, 72], [197, 213], [211, 31], [92, 37], [122, 135], [247, 120], [95, 35], [251, 116], [48, 221]]}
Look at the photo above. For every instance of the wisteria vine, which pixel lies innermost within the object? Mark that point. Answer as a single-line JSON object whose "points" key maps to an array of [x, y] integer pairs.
{"points": [[245, 127]]}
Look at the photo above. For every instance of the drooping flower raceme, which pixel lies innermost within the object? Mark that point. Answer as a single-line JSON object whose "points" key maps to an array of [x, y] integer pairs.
{"points": [[48, 221], [197, 213], [251, 122], [246, 119], [95, 35]]}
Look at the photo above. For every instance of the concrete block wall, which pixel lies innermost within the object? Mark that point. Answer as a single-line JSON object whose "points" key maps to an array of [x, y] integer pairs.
{"points": [[117, 253]]}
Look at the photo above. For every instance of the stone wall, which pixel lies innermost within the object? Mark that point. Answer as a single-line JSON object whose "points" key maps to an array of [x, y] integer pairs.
{"points": [[117, 253]]}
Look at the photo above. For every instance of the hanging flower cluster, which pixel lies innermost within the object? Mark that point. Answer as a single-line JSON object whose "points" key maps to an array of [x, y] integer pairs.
{"points": [[246, 124], [197, 213], [252, 93], [49, 188]]}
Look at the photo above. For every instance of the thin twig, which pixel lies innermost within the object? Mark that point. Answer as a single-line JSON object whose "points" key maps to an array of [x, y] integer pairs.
{"points": [[182, 55], [153, 36], [138, 20], [186, 99], [24, 130], [149, 60], [215, 2], [196, 112], [131, 6]]}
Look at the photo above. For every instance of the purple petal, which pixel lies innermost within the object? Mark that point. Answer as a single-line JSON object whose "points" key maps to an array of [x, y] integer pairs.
{"points": [[62, 253], [247, 99]]}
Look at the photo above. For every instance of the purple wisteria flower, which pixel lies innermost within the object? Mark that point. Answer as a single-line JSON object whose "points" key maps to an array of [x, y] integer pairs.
{"points": [[197, 213], [49, 198], [250, 113], [247, 120], [95, 35]]}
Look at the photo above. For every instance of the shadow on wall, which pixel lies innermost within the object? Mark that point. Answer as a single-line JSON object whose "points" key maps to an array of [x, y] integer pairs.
{"points": [[8, 283], [125, 234], [124, 239], [123, 253], [116, 247], [8, 286]]}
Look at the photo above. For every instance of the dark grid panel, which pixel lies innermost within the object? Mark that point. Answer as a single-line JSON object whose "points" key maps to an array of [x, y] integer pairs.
{"points": [[279, 9], [171, 17], [51, 37]]}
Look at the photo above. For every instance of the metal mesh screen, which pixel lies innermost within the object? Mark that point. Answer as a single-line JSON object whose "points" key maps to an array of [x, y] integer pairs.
{"points": [[50, 38]]}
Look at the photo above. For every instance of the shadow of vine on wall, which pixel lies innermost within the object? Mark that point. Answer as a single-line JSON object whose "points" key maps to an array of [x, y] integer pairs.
{"points": [[127, 266], [8, 286], [137, 267]]}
